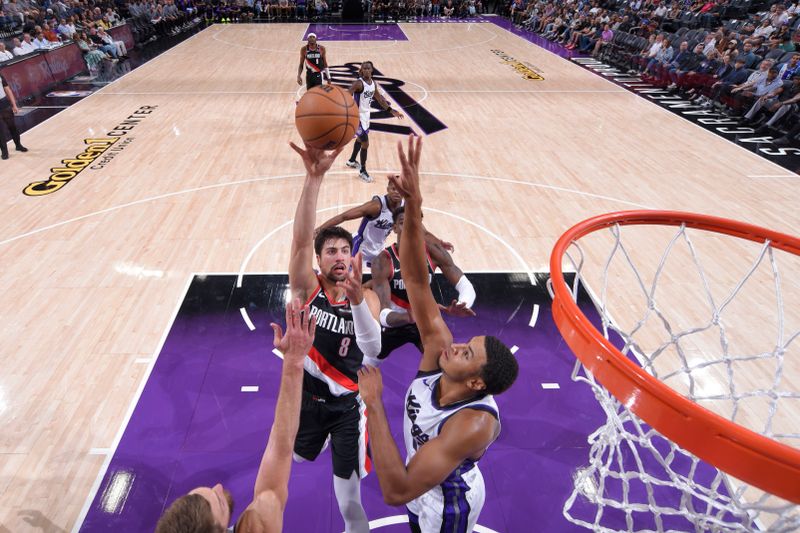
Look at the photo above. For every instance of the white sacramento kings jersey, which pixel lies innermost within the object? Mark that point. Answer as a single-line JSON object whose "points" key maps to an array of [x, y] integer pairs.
{"points": [[372, 232], [453, 505], [364, 101]]}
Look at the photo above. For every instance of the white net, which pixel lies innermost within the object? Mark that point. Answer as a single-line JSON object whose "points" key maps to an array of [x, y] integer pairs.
{"points": [[724, 337]]}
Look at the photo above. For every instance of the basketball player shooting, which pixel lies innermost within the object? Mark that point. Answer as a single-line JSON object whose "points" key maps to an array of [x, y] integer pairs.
{"points": [[451, 416], [312, 56], [346, 334], [210, 508], [364, 90]]}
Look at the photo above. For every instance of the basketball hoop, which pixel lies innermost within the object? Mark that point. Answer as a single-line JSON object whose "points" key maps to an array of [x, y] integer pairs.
{"points": [[643, 410]]}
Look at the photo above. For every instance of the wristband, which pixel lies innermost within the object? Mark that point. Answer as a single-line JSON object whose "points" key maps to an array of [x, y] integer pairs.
{"points": [[385, 315]]}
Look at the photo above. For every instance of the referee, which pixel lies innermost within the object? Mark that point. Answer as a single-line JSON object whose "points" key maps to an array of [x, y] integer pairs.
{"points": [[8, 129]]}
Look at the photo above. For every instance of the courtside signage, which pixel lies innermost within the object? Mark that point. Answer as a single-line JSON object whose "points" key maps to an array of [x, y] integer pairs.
{"points": [[98, 153]]}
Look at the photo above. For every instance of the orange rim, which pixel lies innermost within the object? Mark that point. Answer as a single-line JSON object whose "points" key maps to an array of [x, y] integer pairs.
{"points": [[746, 455]]}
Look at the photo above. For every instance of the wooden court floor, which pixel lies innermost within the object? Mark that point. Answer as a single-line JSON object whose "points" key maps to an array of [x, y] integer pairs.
{"points": [[201, 172]]}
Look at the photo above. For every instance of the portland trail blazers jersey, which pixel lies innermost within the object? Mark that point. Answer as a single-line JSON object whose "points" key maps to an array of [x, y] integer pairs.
{"points": [[398, 287], [334, 359], [314, 60]]}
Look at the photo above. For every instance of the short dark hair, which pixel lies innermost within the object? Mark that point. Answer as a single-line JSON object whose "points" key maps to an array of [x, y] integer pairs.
{"points": [[397, 211], [188, 514], [334, 232], [501, 368]]}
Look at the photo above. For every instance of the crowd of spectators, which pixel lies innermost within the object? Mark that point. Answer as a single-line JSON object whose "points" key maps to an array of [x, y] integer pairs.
{"points": [[738, 56]]}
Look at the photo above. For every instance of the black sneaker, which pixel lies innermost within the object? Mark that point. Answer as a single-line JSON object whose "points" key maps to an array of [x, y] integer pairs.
{"points": [[21, 148]]}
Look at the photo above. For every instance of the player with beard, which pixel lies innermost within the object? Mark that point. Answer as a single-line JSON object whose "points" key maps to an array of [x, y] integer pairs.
{"points": [[451, 417], [210, 508], [346, 335]]}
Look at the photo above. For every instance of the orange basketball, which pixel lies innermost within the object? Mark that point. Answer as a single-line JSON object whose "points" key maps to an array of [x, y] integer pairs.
{"points": [[326, 117]]}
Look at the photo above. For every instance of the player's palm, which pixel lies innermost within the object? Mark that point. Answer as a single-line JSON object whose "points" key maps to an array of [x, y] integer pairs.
{"points": [[458, 309], [299, 336], [316, 160]]}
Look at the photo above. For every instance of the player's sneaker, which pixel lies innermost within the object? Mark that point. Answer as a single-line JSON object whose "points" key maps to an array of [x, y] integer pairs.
{"points": [[353, 164], [365, 177]]}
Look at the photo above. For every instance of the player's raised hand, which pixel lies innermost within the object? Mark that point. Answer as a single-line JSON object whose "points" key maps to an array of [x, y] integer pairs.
{"points": [[408, 181], [352, 284], [316, 161], [299, 336], [370, 385]]}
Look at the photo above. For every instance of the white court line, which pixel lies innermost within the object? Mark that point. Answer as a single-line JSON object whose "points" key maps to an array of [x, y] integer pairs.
{"points": [[129, 414], [514, 349], [246, 319], [277, 353], [425, 92], [551, 386], [534, 316], [351, 31], [403, 519], [142, 360], [99, 451], [249, 388], [773, 175], [331, 173]]}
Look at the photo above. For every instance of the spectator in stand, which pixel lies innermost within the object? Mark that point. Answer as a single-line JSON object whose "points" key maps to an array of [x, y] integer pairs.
{"points": [[40, 42], [780, 103], [750, 59], [119, 46], [640, 61], [448, 10], [92, 56], [790, 68], [702, 87], [24, 47], [686, 64], [104, 47], [5, 55], [49, 34], [763, 87], [662, 59], [605, 39], [66, 29]]}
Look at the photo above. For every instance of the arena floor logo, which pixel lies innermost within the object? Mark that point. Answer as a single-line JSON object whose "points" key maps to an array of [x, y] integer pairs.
{"points": [[786, 156], [345, 75], [96, 150], [526, 71]]}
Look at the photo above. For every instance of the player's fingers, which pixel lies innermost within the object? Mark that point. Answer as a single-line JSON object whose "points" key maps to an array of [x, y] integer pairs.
{"points": [[296, 148], [418, 150], [312, 328], [402, 154], [277, 334]]}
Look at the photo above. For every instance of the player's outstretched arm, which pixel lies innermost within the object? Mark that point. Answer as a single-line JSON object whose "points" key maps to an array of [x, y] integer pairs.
{"points": [[456, 277], [369, 209], [381, 274], [265, 512], [387, 106], [302, 279], [466, 434], [435, 335]]}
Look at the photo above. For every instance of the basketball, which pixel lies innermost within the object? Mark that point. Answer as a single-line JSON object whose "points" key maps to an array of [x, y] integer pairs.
{"points": [[326, 117]]}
